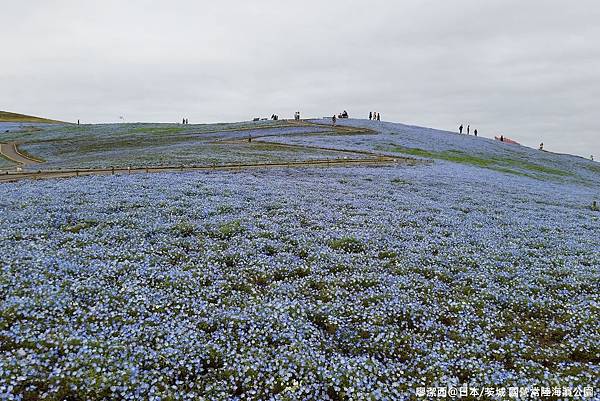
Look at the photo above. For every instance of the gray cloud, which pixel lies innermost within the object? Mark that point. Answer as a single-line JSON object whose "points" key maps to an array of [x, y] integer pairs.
{"points": [[527, 69]]}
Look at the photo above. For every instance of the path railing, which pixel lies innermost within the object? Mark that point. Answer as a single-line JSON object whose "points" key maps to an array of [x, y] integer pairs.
{"points": [[9, 176]]}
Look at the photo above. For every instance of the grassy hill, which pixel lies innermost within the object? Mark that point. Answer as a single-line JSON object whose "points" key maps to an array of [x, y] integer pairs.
{"points": [[9, 117], [139, 144]]}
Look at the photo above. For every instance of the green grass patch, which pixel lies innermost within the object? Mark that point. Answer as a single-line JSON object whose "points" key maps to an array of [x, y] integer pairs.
{"points": [[535, 167], [594, 168], [501, 164], [6, 116], [157, 130]]}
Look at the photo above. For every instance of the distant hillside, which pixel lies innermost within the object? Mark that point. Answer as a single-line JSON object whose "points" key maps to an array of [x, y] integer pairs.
{"points": [[8, 117]]}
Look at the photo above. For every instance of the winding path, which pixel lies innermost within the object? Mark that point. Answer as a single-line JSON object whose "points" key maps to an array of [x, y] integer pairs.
{"points": [[364, 158], [11, 152]]}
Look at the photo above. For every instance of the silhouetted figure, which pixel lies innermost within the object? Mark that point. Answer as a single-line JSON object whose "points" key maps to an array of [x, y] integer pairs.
{"points": [[542, 146], [378, 117], [460, 129], [468, 129], [77, 122], [333, 120], [475, 132], [370, 115], [183, 121], [501, 138]]}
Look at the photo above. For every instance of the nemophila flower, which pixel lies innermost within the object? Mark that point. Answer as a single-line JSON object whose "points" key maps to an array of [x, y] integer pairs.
{"points": [[354, 283]]}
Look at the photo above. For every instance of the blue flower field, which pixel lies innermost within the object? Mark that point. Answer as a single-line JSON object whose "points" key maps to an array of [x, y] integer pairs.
{"points": [[479, 266]]}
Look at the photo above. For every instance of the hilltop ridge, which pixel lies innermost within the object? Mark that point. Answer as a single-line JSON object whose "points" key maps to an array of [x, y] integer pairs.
{"points": [[9, 117]]}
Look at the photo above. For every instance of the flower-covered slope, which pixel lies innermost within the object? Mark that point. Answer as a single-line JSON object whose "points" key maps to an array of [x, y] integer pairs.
{"points": [[401, 139], [353, 283]]}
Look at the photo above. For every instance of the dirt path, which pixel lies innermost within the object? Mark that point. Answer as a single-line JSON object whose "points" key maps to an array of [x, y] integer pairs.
{"points": [[10, 151]]}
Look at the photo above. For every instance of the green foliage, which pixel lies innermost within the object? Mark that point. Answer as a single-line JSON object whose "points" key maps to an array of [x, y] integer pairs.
{"points": [[184, 229], [348, 244], [228, 230], [77, 227]]}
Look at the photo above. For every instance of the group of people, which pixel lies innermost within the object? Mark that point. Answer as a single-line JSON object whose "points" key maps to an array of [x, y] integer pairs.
{"points": [[461, 128], [343, 114], [297, 116], [275, 117], [373, 115], [185, 121]]}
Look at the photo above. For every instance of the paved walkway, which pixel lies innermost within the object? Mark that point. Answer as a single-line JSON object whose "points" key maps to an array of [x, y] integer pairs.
{"points": [[10, 151]]}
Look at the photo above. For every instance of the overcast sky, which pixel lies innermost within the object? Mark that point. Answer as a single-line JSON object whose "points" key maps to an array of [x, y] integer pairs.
{"points": [[529, 69]]}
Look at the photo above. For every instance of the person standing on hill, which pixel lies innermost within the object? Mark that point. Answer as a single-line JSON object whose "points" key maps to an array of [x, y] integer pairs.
{"points": [[378, 117], [468, 129], [370, 115], [333, 120], [460, 129], [475, 132]]}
